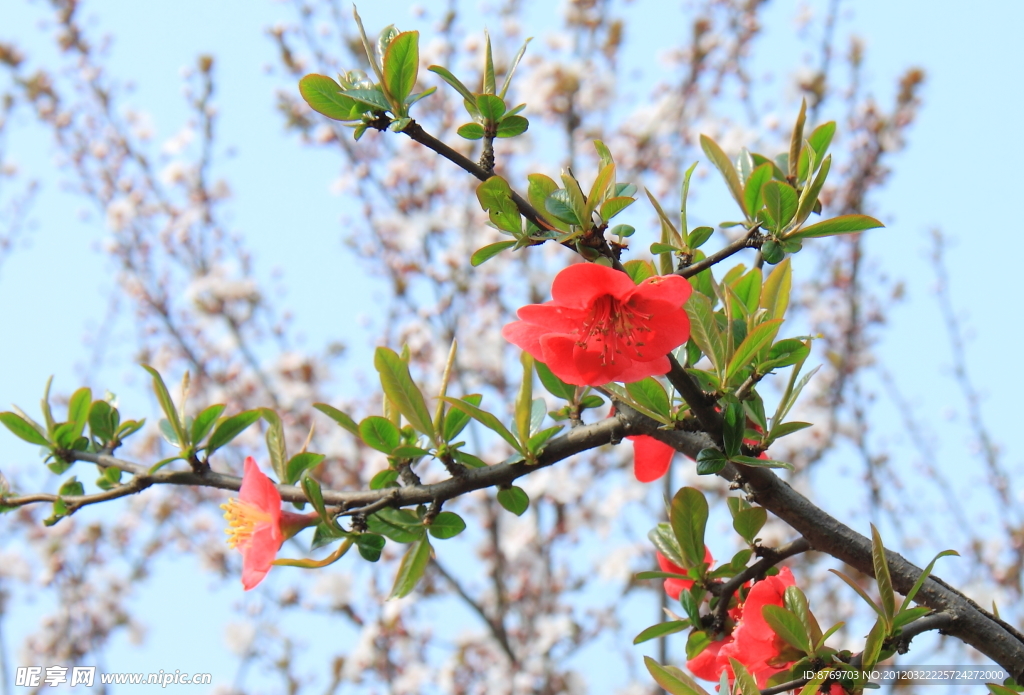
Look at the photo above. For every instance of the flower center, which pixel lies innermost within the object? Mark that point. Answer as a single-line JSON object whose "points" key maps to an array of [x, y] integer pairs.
{"points": [[616, 326], [243, 519]]}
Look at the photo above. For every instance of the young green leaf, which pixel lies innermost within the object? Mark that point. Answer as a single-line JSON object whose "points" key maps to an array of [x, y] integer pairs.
{"points": [[402, 391], [324, 96], [780, 199], [787, 626], [669, 627], [704, 330], [491, 107], [299, 464], [311, 489], [753, 196], [411, 568], [512, 68], [924, 576], [204, 422], [455, 83], [511, 125], [380, 433], [688, 517], [524, 399], [728, 171], [446, 525], [746, 685], [514, 499], [401, 66], [672, 679], [495, 196], [882, 578], [163, 396], [749, 522], [797, 141], [230, 428], [22, 429], [845, 224], [339, 417], [650, 394], [487, 420], [276, 443], [761, 336], [809, 196]]}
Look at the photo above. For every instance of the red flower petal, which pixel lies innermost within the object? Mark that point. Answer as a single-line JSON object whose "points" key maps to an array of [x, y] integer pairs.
{"points": [[651, 458], [578, 286]]}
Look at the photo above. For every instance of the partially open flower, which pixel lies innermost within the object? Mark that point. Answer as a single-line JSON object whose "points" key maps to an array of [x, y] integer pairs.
{"points": [[256, 524], [601, 327]]}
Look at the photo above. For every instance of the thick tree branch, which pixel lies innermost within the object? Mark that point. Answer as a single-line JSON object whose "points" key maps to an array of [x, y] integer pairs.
{"points": [[751, 240]]}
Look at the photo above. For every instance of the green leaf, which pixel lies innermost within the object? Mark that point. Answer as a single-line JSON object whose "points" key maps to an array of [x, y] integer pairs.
{"points": [[399, 388], [576, 201], [78, 410], [380, 433], [845, 224], [411, 568], [339, 417], [370, 546], [650, 394], [204, 422], [784, 354], [495, 196], [103, 420], [402, 65], [524, 399], [454, 81], [696, 642], [22, 429], [514, 499], [486, 419], [228, 429], [491, 107], [908, 616], [555, 386], [753, 197], [775, 294], [728, 171], [513, 66], [311, 489], [860, 592], [873, 644], [797, 140], [751, 345], [809, 196], [481, 256], [749, 522], [673, 680], [698, 236], [301, 463], [710, 461], [639, 270], [276, 443], [781, 201], [669, 237], [400, 525], [746, 685], [540, 187], [704, 329], [511, 126], [536, 442], [559, 205], [819, 141], [374, 98], [163, 396], [324, 96], [446, 525], [734, 424], [456, 420], [924, 576], [385, 478], [688, 517], [470, 131], [788, 428], [787, 626], [882, 578], [669, 627], [71, 488], [613, 206], [772, 252], [754, 462]]}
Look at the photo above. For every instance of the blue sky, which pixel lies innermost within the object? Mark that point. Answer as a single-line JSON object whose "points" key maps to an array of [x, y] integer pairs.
{"points": [[960, 173]]}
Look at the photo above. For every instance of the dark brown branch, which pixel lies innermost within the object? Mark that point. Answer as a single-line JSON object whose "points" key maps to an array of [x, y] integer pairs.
{"points": [[751, 240], [701, 404], [935, 621]]}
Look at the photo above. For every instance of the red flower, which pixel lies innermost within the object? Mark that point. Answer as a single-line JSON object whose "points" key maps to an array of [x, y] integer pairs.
{"points": [[674, 587], [600, 327], [256, 524], [753, 643]]}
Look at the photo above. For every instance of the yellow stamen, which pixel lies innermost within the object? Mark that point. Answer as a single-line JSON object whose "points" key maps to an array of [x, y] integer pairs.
{"points": [[615, 325], [242, 518]]}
